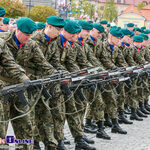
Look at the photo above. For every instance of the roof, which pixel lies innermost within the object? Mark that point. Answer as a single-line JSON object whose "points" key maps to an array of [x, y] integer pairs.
{"points": [[132, 9], [146, 7]]}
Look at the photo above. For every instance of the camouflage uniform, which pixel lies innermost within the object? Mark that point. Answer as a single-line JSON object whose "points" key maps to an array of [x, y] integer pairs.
{"points": [[59, 62], [81, 54], [56, 104], [108, 96], [30, 57], [131, 93]]}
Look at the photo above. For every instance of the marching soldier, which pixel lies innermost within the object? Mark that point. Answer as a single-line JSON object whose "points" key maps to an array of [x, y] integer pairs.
{"points": [[27, 53]]}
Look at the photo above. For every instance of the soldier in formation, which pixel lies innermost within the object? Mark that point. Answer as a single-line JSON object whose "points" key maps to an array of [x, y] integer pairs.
{"points": [[33, 51]]}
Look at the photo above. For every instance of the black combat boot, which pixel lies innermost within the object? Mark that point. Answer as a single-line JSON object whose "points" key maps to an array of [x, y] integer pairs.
{"points": [[127, 110], [101, 132], [67, 142], [81, 144], [36, 146], [123, 119], [50, 148], [147, 106], [134, 115], [116, 128], [142, 108], [88, 128], [61, 145], [140, 114], [107, 122], [89, 141]]}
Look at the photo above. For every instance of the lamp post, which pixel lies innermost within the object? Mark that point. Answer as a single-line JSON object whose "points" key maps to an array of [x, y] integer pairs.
{"points": [[29, 8]]}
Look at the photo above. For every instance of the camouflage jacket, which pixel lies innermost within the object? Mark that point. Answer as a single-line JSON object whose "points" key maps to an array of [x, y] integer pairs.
{"points": [[50, 50], [85, 53], [29, 56], [115, 56], [104, 36], [146, 53], [8, 67], [100, 53], [65, 56], [137, 55]]}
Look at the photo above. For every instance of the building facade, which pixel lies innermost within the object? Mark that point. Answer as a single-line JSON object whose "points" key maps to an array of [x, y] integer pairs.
{"points": [[31, 3]]}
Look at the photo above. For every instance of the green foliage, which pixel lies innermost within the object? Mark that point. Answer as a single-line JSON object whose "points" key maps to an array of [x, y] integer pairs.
{"points": [[83, 8], [14, 9], [40, 13], [141, 5], [110, 11]]}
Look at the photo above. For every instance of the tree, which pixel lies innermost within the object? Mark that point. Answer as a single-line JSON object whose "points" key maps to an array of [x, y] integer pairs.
{"points": [[14, 9], [110, 10], [83, 8], [141, 5], [41, 12]]}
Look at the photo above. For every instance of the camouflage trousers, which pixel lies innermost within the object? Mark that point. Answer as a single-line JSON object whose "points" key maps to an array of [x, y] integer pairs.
{"points": [[95, 107], [73, 118], [143, 90], [109, 98], [131, 98], [121, 97], [23, 127], [44, 124]]}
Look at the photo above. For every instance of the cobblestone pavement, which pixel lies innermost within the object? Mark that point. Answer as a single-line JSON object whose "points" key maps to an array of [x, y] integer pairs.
{"points": [[138, 137]]}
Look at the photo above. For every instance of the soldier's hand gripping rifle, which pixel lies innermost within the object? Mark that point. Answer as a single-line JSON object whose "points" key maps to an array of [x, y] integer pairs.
{"points": [[19, 89]]}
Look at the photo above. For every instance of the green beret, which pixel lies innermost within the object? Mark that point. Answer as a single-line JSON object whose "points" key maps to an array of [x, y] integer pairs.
{"points": [[132, 34], [2, 12], [108, 25], [143, 28], [56, 21], [138, 38], [6, 20], [130, 25], [40, 25], [113, 27], [119, 28], [145, 36], [72, 27], [26, 25], [67, 20], [99, 27], [85, 25], [116, 32], [126, 31], [146, 31], [103, 22], [137, 29]]}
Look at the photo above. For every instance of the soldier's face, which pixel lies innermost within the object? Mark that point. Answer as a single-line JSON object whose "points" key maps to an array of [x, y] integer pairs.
{"points": [[137, 32], [52, 31], [5, 27], [1, 21], [130, 28], [125, 39], [138, 44], [145, 43], [84, 33], [95, 33], [115, 40], [22, 37], [75, 37]]}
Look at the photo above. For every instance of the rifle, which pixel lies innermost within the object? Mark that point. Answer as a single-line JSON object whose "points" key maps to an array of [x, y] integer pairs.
{"points": [[59, 77]]}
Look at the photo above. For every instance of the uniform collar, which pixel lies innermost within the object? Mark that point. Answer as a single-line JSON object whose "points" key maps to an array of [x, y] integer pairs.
{"points": [[137, 48], [1, 30], [93, 39], [63, 40], [123, 44], [48, 39], [17, 41], [71, 43], [81, 40], [111, 47]]}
